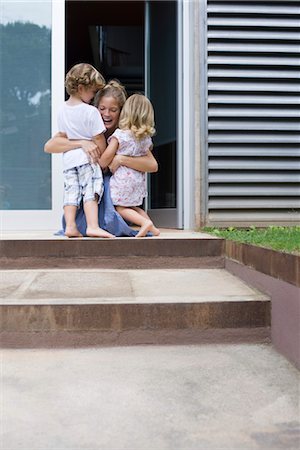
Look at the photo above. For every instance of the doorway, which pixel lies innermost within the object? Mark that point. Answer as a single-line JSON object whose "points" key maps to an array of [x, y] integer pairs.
{"points": [[136, 42]]}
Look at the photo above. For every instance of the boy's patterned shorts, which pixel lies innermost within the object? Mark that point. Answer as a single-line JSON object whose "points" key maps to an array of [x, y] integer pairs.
{"points": [[82, 182]]}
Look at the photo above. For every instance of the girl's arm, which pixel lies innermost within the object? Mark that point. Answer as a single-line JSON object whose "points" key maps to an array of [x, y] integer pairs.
{"points": [[142, 163], [59, 143], [100, 141], [109, 153]]}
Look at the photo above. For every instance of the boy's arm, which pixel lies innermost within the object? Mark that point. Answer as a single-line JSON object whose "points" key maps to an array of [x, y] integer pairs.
{"points": [[109, 153], [142, 163]]}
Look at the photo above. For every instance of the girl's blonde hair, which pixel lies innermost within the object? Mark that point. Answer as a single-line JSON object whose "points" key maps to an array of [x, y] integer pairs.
{"points": [[112, 89], [84, 74], [137, 115]]}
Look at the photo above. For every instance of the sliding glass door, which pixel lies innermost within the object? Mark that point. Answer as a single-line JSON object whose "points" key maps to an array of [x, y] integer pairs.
{"points": [[29, 179]]}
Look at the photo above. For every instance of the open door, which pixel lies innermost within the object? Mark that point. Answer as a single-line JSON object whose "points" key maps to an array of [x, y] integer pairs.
{"points": [[137, 42], [161, 43]]}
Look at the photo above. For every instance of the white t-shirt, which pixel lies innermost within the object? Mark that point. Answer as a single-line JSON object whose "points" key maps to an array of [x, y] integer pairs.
{"points": [[80, 121]]}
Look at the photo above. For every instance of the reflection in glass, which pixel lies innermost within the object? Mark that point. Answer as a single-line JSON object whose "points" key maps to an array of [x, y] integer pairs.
{"points": [[163, 94], [163, 188], [25, 58], [122, 55]]}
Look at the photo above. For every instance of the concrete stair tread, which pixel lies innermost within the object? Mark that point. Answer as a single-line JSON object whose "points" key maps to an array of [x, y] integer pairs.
{"points": [[137, 300], [51, 235], [123, 286]]}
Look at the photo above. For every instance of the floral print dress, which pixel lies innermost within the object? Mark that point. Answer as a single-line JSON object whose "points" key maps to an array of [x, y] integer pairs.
{"points": [[128, 186]]}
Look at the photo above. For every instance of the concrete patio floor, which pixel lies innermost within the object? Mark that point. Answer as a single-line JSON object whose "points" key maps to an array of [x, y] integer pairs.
{"points": [[149, 398]]}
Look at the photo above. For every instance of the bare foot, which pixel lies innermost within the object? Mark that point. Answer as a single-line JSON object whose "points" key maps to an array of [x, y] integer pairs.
{"points": [[72, 232], [155, 231], [98, 232], [144, 229]]}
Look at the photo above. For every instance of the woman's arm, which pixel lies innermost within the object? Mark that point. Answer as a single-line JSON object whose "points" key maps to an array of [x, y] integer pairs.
{"points": [[59, 143], [142, 163]]}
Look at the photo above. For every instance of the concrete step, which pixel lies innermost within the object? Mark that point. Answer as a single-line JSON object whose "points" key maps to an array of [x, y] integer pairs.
{"points": [[114, 306], [180, 250]]}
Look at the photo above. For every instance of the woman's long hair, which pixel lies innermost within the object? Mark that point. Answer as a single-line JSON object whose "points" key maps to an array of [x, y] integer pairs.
{"points": [[112, 89]]}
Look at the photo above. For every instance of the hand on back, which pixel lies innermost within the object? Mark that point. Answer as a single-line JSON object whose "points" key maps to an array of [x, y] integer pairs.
{"points": [[92, 150]]}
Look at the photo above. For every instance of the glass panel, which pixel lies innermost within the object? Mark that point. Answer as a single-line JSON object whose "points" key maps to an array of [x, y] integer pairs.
{"points": [[25, 69], [122, 55], [109, 35], [163, 94]]}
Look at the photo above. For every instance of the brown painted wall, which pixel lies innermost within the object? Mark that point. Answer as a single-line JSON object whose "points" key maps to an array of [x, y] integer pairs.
{"points": [[285, 308]]}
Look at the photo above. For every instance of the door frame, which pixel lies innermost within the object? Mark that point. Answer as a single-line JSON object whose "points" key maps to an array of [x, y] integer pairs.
{"points": [[183, 214], [187, 109]]}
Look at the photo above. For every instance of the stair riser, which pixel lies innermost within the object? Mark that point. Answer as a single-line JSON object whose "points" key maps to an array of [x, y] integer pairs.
{"points": [[65, 339], [121, 262], [111, 248], [124, 317]]}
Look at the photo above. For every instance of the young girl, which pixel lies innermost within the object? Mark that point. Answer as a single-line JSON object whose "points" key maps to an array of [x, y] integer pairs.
{"points": [[78, 120], [132, 138]]}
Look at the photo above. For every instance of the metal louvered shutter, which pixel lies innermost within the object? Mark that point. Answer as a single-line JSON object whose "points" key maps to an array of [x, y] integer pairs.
{"points": [[253, 128]]}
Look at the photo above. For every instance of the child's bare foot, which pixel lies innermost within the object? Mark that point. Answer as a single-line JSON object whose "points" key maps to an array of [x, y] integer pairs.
{"points": [[98, 232], [72, 232], [155, 231], [144, 229]]}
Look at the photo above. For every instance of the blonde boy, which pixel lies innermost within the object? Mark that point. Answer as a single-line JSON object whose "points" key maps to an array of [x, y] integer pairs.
{"points": [[79, 120]]}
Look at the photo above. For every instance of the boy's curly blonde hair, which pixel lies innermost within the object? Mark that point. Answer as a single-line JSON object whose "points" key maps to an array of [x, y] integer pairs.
{"points": [[84, 74], [137, 115]]}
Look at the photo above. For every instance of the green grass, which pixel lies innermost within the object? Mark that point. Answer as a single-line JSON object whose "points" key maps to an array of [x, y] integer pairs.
{"points": [[286, 239]]}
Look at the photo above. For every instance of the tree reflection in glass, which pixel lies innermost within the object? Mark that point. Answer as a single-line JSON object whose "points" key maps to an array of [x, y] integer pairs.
{"points": [[25, 109]]}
